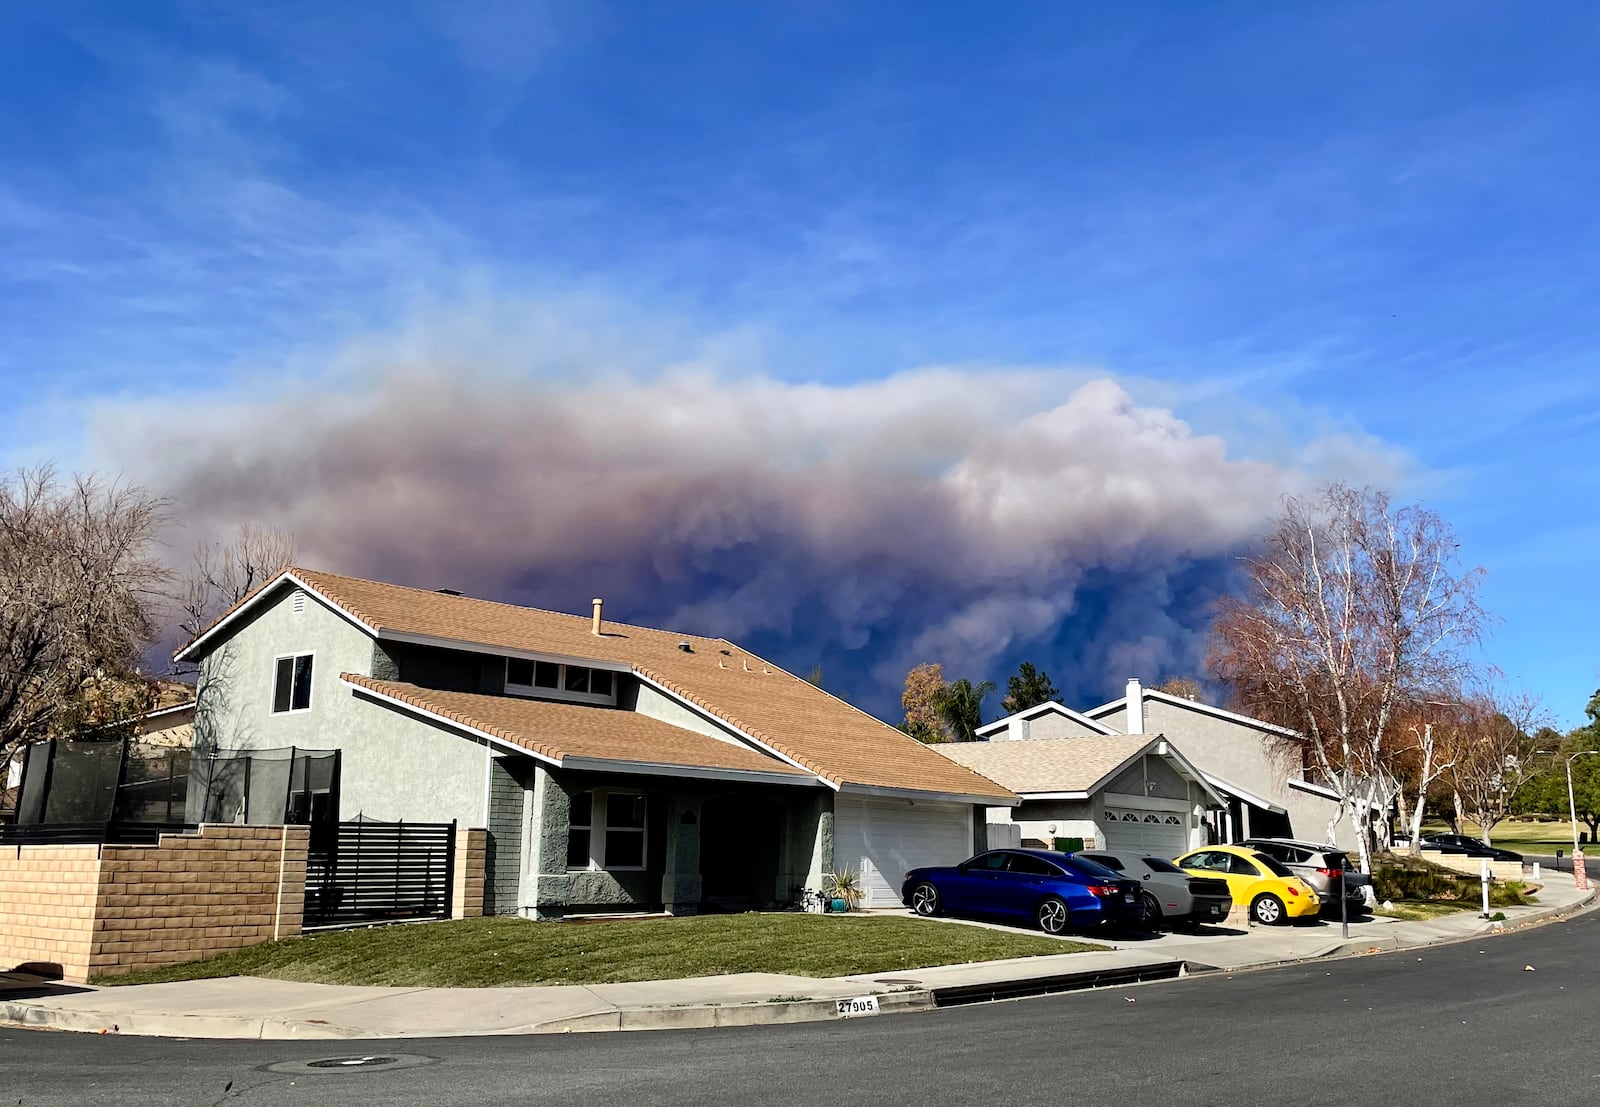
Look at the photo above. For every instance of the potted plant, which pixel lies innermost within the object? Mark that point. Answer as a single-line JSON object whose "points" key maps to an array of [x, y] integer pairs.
{"points": [[844, 890]]}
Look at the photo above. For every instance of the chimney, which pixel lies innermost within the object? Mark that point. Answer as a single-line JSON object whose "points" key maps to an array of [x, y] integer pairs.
{"points": [[597, 602], [1135, 707]]}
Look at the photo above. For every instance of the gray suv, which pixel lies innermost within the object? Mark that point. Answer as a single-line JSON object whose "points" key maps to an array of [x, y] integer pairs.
{"points": [[1320, 866]]}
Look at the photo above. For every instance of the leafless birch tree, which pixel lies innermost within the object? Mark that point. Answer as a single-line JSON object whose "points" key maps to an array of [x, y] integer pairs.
{"points": [[1352, 608]]}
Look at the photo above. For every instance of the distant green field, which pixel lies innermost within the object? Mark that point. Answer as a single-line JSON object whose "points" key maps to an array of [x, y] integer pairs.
{"points": [[1524, 836]]}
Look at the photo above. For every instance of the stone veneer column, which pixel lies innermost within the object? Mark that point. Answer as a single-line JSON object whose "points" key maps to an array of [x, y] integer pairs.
{"points": [[547, 869], [681, 884]]}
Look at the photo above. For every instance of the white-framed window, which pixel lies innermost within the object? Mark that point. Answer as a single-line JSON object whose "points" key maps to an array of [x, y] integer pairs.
{"points": [[555, 680], [606, 830], [291, 683]]}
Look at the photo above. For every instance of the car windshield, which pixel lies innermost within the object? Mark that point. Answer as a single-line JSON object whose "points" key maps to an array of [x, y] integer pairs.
{"points": [[1156, 865], [1276, 868], [1085, 867]]}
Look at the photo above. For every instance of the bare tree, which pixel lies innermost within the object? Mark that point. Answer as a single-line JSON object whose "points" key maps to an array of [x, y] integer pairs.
{"points": [[1498, 754], [1352, 608], [1432, 736], [79, 588], [222, 575]]}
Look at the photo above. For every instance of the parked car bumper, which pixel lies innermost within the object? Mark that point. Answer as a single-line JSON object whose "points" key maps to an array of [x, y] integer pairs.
{"points": [[1210, 908]]}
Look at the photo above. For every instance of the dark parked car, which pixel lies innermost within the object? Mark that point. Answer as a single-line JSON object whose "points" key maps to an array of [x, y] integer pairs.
{"points": [[1170, 894], [1472, 847], [1054, 891], [1319, 866]]}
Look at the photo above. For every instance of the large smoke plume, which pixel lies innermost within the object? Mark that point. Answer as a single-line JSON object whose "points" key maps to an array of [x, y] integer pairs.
{"points": [[977, 519]]}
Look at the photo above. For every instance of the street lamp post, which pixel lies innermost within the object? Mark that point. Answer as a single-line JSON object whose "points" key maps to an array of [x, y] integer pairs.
{"points": [[1579, 874]]}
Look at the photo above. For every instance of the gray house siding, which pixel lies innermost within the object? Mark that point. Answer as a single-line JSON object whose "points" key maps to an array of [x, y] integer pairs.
{"points": [[393, 765]]}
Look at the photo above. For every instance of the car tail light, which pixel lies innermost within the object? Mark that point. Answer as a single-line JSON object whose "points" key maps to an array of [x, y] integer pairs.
{"points": [[1293, 891], [1331, 874], [1102, 889]]}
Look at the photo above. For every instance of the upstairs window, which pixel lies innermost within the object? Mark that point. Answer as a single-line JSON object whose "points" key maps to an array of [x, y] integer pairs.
{"points": [[576, 683], [291, 684]]}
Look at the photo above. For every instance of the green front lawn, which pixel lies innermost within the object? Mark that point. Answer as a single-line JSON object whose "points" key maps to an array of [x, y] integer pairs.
{"points": [[495, 952]]}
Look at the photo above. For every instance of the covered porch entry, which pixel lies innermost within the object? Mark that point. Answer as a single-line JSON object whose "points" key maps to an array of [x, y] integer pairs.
{"points": [[615, 842]]}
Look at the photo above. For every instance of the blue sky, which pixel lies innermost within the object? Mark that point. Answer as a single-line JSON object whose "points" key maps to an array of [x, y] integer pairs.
{"points": [[1363, 230]]}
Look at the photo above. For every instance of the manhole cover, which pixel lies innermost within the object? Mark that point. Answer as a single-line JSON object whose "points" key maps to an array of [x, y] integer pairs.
{"points": [[363, 1062]]}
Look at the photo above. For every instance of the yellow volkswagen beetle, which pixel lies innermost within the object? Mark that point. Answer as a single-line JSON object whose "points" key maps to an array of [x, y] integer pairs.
{"points": [[1274, 893]]}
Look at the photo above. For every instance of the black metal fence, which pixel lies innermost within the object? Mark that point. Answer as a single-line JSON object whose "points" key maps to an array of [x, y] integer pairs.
{"points": [[374, 872]]}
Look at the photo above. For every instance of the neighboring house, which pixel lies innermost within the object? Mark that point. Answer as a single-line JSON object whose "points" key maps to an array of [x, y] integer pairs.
{"points": [[1114, 791], [1260, 768], [168, 726], [615, 767]]}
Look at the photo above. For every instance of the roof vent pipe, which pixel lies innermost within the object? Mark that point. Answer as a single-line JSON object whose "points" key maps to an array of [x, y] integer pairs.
{"points": [[596, 629], [1135, 707]]}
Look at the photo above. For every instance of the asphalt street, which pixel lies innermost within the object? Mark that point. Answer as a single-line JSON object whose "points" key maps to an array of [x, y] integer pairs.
{"points": [[1500, 1020]]}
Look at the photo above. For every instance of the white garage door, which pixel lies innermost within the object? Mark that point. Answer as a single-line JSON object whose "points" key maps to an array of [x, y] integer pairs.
{"points": [[880, 840], [1151, 833]]}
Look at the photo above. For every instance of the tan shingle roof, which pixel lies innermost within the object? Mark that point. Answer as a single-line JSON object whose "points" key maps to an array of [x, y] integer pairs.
{"points": [[563, 730], [834, 740], [1048, 764]]}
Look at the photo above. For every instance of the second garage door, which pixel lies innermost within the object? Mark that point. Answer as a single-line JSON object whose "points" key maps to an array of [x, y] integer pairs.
{"points": [[880, 840], [1148, 833]]}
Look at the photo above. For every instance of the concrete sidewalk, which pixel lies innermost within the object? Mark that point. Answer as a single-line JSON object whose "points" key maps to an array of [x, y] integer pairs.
{"points": [[248, 1007]]}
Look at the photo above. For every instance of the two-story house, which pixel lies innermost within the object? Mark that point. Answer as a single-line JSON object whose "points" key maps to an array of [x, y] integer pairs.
{"points": [[615, 767], [1153, 772]]}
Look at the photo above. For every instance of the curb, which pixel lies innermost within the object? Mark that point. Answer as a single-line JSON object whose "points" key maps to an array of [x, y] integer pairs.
{"points": [[32, 1015]]}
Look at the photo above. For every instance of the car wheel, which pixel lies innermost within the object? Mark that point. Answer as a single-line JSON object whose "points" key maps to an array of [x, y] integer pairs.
{"points": [[1268, 910], [925, 900], [1053, 916], [1152, 910]]}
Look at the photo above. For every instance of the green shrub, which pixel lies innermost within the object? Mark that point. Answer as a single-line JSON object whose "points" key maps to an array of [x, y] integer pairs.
{"points": [[1411, 878], [1399, 882]]}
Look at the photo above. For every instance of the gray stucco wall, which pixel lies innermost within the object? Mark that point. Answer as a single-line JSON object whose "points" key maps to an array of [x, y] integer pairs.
{"points": [[393, 766]]}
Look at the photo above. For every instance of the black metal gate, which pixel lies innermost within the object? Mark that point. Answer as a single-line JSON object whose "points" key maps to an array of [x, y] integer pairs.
{"points": [[369, 872]]}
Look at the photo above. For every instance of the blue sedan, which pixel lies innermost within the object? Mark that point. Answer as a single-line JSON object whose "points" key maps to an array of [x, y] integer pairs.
{"points": [[1054, 891]]}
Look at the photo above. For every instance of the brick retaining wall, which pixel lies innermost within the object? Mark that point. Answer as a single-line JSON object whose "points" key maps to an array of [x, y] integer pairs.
{"points": [[87, 910]]}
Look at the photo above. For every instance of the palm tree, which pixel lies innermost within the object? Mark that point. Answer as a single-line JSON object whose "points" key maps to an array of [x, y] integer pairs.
{"points": [[961, 708]]}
